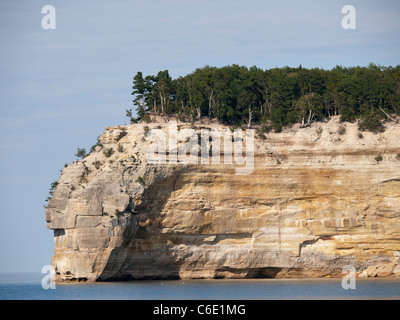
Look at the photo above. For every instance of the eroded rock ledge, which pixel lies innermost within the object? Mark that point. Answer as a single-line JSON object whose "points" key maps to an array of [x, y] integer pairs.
{"points": [[317, 200]]}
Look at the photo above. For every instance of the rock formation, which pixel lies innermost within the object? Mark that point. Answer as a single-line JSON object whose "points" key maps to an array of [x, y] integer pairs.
{"points": [[318, 198]]}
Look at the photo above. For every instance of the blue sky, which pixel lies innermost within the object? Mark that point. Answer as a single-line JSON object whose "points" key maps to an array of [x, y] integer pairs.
{"points": [[60, 88]]}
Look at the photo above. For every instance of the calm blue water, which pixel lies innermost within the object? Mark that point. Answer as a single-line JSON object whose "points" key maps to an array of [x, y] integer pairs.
{"points": [[27, 286]]}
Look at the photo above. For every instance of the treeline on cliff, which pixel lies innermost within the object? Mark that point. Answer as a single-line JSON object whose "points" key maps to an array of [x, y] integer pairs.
{"points": [[275, 98]]}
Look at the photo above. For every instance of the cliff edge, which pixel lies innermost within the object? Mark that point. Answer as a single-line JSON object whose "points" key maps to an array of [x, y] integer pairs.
{"points": [[317, 199]]}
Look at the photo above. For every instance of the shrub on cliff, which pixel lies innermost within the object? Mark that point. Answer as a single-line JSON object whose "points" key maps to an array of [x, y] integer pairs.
{"points": [[108, 152], [378, 158], [81, 153], [146, 130], [97, 164], [53, 186], [342, 130], [371, 122], [141, 181], [97, 144]]}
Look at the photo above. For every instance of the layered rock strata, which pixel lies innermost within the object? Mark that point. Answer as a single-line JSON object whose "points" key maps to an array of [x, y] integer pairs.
{"points": [[318, 198]]}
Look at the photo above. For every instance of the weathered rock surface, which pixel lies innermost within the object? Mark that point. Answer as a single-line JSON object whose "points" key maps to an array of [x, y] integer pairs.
{"points": [[317, 200]]}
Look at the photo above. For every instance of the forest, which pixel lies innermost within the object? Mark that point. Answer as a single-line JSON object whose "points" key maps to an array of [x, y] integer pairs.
{"points": [[274, 98]]}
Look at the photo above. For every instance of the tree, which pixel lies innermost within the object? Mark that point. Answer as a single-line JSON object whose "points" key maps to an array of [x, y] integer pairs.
{"points": [[140, 88], [151, 96], [308, 105], [164, 89], [195, 97], [237, 95], [129, 114], [392, 82], [81, 153], [204, 81], [371, 121]]}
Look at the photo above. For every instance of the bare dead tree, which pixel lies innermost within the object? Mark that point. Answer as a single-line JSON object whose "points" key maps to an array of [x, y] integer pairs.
{"points": [[387, 115], [211, 103], [251, 111]]}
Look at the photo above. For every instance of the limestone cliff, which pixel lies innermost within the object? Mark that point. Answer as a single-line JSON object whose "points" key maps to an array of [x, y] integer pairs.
{"points": [[317, 199]]}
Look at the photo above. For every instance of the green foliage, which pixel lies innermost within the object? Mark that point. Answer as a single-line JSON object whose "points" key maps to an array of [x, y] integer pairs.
{"points": [[140, 87], [371, 121], [237, 95], [108, 152], [129, 114], [146, 130], [263, 130], [97, 144], [97, 164], [342, 130], [83, 179], [81, 153], [141, 181], [378, 158], [146, 118], [277, 127], [53, 186], [120, 148], [398, 157]]}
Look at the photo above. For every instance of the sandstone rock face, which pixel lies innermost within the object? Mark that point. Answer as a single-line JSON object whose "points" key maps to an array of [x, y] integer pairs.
{"points": [[316, 200]]}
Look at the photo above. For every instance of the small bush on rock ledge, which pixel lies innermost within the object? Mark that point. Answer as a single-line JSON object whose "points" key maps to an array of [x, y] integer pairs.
{"points": [[109, 152]]}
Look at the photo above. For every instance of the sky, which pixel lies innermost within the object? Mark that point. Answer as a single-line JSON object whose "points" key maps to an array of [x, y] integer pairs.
{"points": [[59, 88]]}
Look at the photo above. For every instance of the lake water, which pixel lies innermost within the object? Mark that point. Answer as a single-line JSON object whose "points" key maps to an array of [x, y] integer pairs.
{"points": [[27, 286]]}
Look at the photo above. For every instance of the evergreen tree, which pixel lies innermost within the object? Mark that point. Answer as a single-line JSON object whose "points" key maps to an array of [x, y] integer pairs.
{"points": [[140, 88], [237, 95]]}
